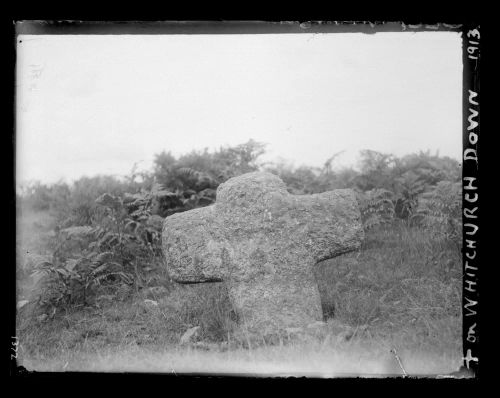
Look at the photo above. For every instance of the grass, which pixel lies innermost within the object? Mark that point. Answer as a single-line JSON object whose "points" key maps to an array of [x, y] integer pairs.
{"points": [[400, 283], [401, 291]]}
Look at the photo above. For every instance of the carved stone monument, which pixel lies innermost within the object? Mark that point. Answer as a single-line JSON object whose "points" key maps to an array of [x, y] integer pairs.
{"points": [[263, 242]]}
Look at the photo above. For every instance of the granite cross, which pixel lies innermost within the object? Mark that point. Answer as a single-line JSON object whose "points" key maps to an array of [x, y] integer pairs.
{"points": [[263, 242]]}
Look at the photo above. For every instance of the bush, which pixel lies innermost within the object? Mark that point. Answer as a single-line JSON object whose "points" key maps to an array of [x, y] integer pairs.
{"points": [[102, 257], [200, 170], [440, 212], [377, 207], [43, 197]]}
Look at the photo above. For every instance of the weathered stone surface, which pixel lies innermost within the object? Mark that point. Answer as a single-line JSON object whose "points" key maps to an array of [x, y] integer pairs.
{"points": [[263, 242]]}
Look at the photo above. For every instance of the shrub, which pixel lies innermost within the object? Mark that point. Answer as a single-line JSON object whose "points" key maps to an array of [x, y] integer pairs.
{"points": [[43, 197], [440, 212], [199, 170], [98, 258], [376, 171], [301, 180], [408, 188], [377, 207]]}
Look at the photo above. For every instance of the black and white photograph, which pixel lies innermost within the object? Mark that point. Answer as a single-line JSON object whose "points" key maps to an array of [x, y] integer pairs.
{"points": [[280, 200]]}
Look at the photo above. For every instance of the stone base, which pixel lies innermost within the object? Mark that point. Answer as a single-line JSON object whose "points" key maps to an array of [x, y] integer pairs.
{"points": [[271, 303]]}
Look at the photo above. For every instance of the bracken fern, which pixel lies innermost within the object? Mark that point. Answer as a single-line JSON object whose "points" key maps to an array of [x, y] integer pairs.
{"points": [[439, 211], [377, 207]]}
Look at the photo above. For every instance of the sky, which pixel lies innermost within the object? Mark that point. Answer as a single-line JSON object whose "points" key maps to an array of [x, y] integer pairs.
{"points": [[97, 104]]}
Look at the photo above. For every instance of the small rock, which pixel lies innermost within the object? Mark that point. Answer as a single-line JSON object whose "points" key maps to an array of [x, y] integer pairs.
{"points": [[206, 346], [317, 324], [344, 336], [151, 302], [22, 303], [189, 334]]}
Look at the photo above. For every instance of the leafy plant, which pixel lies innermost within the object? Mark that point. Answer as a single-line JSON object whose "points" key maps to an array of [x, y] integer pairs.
{"points": [[440, 211], [377, 207], [101, 257], [409, 187], [75, 280], [376, 171]]}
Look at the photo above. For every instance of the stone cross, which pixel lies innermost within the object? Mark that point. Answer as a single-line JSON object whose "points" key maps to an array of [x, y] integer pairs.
{"points": [[263, 242]]}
